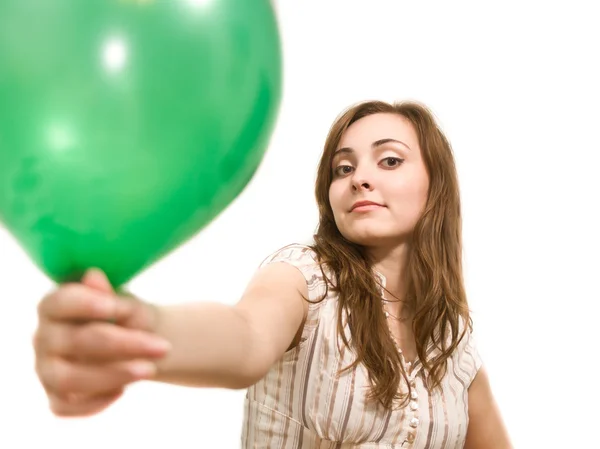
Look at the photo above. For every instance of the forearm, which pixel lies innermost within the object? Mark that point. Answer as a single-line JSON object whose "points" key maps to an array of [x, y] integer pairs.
{"points": [[211, 345]]}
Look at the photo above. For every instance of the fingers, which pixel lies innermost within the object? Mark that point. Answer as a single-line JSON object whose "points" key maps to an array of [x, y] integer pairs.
{"points": [[96, 279], [83, 361], [97, 341], [64, 379], [80, 302], [81, 406]]}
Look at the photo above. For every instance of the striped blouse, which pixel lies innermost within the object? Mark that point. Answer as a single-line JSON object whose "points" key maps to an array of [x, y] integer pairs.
{"points": [[303, 403]]}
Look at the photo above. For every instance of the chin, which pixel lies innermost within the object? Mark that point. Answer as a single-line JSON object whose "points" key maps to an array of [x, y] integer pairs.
{"points": [[374, 236], [370, 239]]}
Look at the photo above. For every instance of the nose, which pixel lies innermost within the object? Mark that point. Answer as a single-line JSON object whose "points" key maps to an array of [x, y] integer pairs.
{"points": [[360, 181], [361, 186]]}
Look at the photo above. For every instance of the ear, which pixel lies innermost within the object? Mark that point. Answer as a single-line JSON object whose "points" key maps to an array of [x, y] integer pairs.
{"points": [[96, 279]]}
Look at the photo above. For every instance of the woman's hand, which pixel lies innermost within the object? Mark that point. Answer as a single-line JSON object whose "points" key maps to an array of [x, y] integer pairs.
{"points": [[90, 344]]}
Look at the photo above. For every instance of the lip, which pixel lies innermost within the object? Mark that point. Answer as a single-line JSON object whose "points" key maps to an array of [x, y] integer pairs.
{"points": [[365, 205]]}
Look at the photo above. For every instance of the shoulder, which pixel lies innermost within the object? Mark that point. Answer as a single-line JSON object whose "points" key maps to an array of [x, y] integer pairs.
{"points": [[300, 256], [292, 252], [304, 259]]}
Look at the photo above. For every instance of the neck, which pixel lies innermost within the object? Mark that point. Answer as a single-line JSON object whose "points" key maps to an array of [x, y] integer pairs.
{"points": [[392, 263]]}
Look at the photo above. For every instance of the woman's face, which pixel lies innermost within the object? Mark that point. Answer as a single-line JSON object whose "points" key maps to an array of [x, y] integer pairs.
{"points": [[378, 163]]}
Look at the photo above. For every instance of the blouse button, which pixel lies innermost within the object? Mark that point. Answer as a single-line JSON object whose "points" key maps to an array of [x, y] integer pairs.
{"points": [[414, 422], [414, 405], [410, 437]]}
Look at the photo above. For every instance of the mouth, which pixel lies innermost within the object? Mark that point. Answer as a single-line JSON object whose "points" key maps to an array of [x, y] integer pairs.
{"points": [[365, 206]]}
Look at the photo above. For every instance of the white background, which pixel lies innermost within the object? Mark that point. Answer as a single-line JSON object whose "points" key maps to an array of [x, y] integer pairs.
{"points": [[515, 87]]}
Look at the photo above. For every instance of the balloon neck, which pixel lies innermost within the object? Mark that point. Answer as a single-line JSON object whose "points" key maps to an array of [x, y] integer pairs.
{"points": [[123, 292]]}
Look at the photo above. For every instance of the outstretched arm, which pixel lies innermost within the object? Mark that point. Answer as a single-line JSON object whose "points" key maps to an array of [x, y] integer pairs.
{"points": [[216, 345], [90, 344]]}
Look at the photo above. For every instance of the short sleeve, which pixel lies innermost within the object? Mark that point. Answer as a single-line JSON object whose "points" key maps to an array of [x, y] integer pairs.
{"points": [[303, 258], [470, 360], [299, 256]]}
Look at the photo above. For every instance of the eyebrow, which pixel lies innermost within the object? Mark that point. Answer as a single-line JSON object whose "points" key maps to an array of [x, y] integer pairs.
{"points": [[377, 143]]}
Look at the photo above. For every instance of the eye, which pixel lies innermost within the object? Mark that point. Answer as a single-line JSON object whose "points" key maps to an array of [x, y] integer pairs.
{"points": [[342, 170], [391, 162]]}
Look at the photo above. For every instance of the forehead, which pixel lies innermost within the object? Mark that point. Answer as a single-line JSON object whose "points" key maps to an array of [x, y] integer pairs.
{"points": [[362, 133]]}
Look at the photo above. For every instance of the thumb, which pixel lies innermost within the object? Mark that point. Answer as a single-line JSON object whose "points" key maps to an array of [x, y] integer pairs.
{"points": [[96, 279]]}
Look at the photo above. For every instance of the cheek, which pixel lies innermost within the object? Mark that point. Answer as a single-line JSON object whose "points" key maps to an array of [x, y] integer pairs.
{"points": [[410, 195], [420, 192], [335, 197], [423, 190], [338, 204]]}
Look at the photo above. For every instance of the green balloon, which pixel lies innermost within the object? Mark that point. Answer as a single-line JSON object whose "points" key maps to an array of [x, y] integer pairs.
{"points": [[127, 126]]}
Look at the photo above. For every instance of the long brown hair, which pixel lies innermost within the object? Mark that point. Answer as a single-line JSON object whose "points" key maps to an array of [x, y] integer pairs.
{"points": [[436, 291]]}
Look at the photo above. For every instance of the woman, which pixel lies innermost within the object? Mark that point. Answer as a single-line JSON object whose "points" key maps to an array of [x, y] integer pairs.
{"points": [[362, 339]]}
